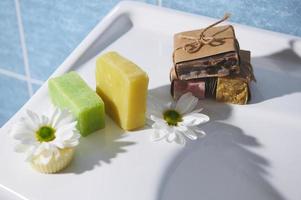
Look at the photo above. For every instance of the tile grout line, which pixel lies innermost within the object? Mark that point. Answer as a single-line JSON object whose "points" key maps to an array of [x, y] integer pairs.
{"points": [[23, 47], [20, 76]]}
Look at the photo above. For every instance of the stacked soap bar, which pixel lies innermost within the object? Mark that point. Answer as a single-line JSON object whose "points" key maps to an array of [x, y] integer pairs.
{"points": [[194, 86], [180, 87], [219, 58], [233, 88], [209, 63], [71, 92], [123, 87]]}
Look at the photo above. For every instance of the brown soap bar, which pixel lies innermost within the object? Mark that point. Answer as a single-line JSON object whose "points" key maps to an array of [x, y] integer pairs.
{"points": [[180, 87], [200, 88], [215, 66], [235, 88], [196, 87], [218, 58]]}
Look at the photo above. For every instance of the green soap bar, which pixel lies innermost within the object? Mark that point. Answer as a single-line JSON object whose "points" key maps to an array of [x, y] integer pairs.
{"points": [[70, 91]]}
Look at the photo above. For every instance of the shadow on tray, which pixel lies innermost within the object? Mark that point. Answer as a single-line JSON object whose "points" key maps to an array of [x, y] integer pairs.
{"points": [[219, 166], [98, 148], [277, 74]]}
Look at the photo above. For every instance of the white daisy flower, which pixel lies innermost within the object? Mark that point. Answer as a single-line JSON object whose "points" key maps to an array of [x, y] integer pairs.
{"points": [[43, 137], [176, 121]]}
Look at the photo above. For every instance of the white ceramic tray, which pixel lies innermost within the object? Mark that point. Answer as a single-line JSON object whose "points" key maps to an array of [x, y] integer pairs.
{"points": [[250, 152]]}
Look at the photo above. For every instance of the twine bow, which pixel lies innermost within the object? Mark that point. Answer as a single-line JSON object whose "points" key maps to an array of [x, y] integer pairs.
{"points": [[198, 42]]}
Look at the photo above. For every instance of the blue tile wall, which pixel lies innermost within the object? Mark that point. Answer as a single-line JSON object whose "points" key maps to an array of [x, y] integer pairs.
{"points": [[281, 15], [35, 87], [10, 47], [50, 33], [13, 96], [51, 37]]}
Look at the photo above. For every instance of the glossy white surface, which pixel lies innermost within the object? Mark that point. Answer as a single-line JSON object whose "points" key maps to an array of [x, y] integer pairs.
{"points": [[250, 152]]}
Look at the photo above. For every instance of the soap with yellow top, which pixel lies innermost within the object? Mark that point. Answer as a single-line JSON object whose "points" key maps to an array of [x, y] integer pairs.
{"points": [[123, 87]]}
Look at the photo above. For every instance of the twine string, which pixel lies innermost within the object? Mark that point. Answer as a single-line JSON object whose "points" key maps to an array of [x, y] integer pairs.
{"points": [[198, 42]]}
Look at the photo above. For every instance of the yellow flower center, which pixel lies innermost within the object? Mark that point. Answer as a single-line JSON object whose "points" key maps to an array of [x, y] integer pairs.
{"points": [[172, 117], [45, 134]]}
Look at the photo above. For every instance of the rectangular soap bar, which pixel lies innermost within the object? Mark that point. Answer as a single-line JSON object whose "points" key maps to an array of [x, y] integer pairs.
{"points": [[232, 90], [196, 87], [71, 91], [214, 66], [235, 88], [200, 88], [123, 87], [216, 59]]}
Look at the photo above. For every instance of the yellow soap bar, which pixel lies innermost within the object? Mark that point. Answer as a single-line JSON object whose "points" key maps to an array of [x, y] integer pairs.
{"points": [[123, 87]]}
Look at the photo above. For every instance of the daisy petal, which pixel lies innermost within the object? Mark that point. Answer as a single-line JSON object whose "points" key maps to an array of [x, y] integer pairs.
{"points": [[33, 117], [53, 118], [17, 128], [72, 143], [194, 119], [186, 103], [158, 125], [28, 125], [197, 110], [59, 143], [190, 134], [153, 112], [26, 140], [64, 117], [44, 120], [29, 153], [155, 118], [173, 105], [149, 122], [157, 135], [40, 149], [160, 122], [66, 131], [171, 137], [32, 122], [180, 139], [199, 131]]}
